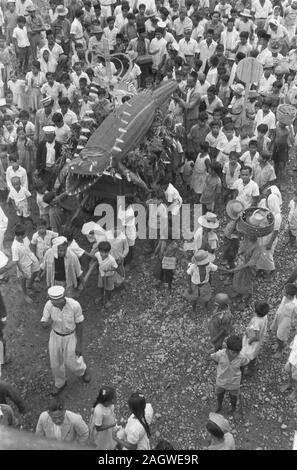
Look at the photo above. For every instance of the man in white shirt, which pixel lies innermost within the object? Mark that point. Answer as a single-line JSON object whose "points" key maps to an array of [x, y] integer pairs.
{"points": [[21, 43], [16, 170], [267, 79], [202, 84], [182, 23], [246, 190], [76, 30], [69, 116], [261, 9], [206, 48], [110, 33], [265, 116], [21, 7], [188, 47], [229, 37], [264, 53]]}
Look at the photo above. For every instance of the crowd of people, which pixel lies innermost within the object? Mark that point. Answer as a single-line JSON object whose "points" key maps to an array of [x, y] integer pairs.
{"points": [[231, 154]]}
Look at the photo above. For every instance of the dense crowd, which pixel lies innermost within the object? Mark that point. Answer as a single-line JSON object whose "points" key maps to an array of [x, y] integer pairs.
{"points": [[63, 70]]}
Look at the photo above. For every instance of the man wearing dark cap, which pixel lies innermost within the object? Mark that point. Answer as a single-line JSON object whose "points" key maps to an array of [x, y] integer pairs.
{"points": [[65, 344], [61, 28], [141, 45]]}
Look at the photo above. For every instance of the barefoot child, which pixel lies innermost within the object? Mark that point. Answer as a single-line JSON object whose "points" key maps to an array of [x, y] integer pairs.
{"points": [[167, 251], [107, 268], [284, 316], [199, 279], [26, 261], [220, 324], [230, 361], [19, 196], [42, 239], [254, 336]]}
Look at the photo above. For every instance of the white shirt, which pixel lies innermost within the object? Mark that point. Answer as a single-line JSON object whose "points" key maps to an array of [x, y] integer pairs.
{"points": [[110, 35], [247, 160], [179, 26], [43, 244], [20, 173], [265, 84], [206, 51], [50, 153], [75, 78], [264, 55], [77, 29], [268, 119], [3, 221], [246, 192], [69, 117], [63, 134], [56, 51], [65, 320], [19, 196], [158, 46], [188, 47], [21, 36], [21, 252], [135, 432], [193, 271], [262, 11]]}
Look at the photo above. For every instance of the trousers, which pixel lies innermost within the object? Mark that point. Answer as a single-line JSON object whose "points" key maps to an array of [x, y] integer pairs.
{"points": [[62, 356]]}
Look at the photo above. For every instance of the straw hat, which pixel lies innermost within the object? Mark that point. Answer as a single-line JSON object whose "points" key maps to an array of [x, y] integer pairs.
{"points": [[231, 56], [257, 217], [238, 88], [209, 220], [268, 64], [56, 292], [61, 10], [234, 209], [30, 8], [149, 14], [200, 258], [246, 12]]}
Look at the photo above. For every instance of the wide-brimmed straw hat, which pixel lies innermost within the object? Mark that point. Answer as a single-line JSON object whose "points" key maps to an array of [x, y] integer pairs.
{"points": [[275, 46], [220, 422], [246, 12], [209, 220], [238, 88], [61, 10], [234, 208], [200, 258]]}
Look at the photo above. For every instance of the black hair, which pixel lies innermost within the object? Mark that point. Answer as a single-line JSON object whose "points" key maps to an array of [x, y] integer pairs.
{"points": [[234, 343], [48, 74], [109, 19], [239, 56], [204, 146], [216, 167], [68, 233], [24, 114], [49, 32], [214, 430], [253, 142], [79, 13], [36, 64], [19, 230], [137, 404], [244, 34], [41, 222], [263, 128], [13, 157], [203, 116], [48, 197], [212, 89], [261, 308], [214, 60], [245, 167], [21, 19], [214, 123], [56, 404], [104, 246], [210, 30], [290, 289], [105, 395], [130, 16], [164, 445], [64, 100]]}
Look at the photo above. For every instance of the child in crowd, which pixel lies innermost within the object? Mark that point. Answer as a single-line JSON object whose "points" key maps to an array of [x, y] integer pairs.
{"points": [[25, 152], [284, 317], [220, 324], [230, 361], [212, 188], [251, 156], [43, 207], [263, 141], [42, 239], [107, 268], [19, 196], [231, 173], [15, 170], [26, 261], [167, 251], [200, 169], [254, 336], [103, 420], [198, 272]]}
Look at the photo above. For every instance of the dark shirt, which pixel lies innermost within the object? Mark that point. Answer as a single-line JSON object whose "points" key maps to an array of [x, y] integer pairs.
{"points": [[60, 274]]}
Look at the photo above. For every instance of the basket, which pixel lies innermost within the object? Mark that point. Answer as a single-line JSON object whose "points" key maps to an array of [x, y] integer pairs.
{"points": [[286, 113], [251, 230]]}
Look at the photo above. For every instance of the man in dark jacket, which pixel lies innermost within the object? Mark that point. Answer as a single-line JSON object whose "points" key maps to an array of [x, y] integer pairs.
{"points": [[48, 153]]}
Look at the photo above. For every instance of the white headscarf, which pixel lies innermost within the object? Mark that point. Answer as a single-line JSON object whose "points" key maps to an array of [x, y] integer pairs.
{"points": [[274, 200], [57, 242]]}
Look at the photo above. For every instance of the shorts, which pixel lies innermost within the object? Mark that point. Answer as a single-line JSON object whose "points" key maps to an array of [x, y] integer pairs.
{"points": [[29, 270], [219, 390], [23, 209], [106, 282], [202, 292]]}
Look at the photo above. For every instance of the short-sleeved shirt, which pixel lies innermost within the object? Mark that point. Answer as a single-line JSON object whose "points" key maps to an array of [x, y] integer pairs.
{"points": [[246, 192], [193, 271], [247, 160], [135, 432], [21, 252], [19, 196], [268, 119], [63, 321], [21, 36], [43, 243], [107, 266], [228, 372], [263, 174], [230, 180]]}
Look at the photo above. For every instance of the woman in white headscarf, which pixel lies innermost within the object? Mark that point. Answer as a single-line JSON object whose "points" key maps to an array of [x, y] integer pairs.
{"points": [[273, 201], [47, 61]]}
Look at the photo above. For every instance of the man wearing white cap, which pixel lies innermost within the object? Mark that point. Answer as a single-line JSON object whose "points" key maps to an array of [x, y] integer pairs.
{"points": [[65, 343], [43, 118], [48, 152], [61, 265]]}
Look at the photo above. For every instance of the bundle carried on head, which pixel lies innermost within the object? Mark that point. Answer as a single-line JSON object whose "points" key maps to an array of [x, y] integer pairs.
{"points": [[286, 113]]}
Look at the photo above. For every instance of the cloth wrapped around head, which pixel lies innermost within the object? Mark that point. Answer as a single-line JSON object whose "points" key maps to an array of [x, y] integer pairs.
{"points": [[58, 241]]}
